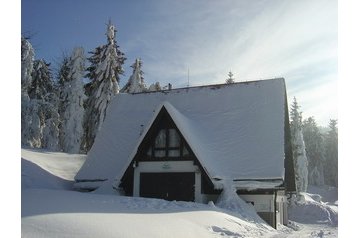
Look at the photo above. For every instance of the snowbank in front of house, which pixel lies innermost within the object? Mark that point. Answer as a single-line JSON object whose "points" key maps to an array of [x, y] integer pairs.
{"points": [[60, 213], [49, 209]]}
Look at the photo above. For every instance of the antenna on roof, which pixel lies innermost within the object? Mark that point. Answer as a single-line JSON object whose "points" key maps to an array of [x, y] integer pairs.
{"points": [[188, 78]]}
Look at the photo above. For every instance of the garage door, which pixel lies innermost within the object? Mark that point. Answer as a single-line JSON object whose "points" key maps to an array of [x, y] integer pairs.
{"points": [[169, 186]]}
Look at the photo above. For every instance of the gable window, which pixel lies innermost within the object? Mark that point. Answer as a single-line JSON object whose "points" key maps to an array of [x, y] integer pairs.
{"points": [[160, 140], [168, 144], [160, 144]]}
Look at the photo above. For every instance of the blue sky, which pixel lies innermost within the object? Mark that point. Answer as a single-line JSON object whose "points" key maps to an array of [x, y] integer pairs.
{"points": [[296, 40]]}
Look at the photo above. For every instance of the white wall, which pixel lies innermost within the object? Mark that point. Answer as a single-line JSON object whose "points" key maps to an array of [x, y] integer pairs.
{"points": [[262, 202]]}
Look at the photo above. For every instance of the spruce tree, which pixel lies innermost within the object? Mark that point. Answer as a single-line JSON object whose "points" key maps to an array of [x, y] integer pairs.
{"points": [[155, 87], [106, 67], [315, 151], [230, 79], [62, 79], [27, 61], [42, 83], [51, 125], [331, 152], [135, 83], [71, 101], [43, 99], [298, 147], [63, 73]]}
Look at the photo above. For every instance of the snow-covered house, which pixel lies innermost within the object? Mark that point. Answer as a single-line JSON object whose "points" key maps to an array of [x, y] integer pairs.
{"points": [[185, 144]]}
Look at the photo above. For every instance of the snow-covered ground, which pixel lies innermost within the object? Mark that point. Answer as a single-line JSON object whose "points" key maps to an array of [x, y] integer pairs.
{"points": [[50, 208]]}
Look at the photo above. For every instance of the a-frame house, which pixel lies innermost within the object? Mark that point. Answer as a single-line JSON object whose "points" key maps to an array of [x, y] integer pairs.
{"points": [[183, 144]]}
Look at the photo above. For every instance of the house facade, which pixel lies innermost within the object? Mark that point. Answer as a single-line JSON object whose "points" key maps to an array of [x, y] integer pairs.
{"points": [[183, 144]]}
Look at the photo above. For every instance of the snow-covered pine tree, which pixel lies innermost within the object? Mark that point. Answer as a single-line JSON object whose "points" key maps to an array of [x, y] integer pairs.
{"points": [[42, 83], [230, 79], [314, 150], [298, 147], [71, 100], [44, 107], [62, 78], [106, 66], [27, 61], [135, 83], [155, 87], [52, 120], [331, 152]]}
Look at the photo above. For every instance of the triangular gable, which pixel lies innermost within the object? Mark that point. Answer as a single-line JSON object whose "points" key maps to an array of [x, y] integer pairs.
{"points": [[168, 114], [163, 122]]}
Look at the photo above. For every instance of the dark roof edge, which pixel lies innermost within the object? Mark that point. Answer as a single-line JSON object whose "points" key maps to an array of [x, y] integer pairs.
{"points": [[260, 180]]}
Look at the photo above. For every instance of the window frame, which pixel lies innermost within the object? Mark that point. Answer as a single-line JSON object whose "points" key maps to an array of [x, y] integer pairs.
{"points": [[182, 144]]}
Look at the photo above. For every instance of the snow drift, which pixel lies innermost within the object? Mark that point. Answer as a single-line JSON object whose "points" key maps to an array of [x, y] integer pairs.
{"points": [[310, 209], [49, 209]]}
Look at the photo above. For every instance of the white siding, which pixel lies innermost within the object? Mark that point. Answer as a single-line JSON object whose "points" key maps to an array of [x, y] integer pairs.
{"points": [[262, 203]]}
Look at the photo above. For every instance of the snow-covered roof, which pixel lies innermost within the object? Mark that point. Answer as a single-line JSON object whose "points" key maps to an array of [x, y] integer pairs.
{"points": [[235, 130]]}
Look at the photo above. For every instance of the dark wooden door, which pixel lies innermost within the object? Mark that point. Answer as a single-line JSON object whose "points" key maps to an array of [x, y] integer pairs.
{"points": [[168, 186]]}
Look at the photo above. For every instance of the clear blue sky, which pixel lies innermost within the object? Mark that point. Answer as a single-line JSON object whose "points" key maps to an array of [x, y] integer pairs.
{"points": [[293, 39]]}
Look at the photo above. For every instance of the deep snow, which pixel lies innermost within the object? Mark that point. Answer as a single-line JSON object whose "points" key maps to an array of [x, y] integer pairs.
{"points": [[51, 209]]}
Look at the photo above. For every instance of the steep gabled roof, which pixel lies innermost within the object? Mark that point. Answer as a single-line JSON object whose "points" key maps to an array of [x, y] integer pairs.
{"points": [[235, 130]]}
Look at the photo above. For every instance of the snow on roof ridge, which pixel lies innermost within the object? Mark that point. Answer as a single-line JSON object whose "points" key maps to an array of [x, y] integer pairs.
{"points": [[208, 86]]}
